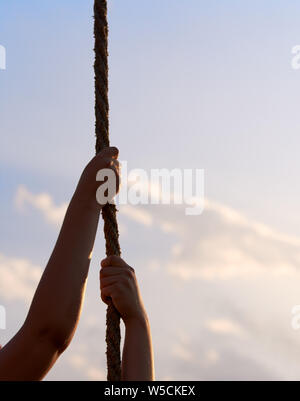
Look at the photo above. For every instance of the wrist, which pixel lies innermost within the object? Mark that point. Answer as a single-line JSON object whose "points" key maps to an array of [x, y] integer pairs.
{"points": [[140, 319], [84, 202]]}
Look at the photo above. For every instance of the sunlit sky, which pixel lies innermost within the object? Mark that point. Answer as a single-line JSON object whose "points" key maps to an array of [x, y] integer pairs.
{"points": [[193, 84]]}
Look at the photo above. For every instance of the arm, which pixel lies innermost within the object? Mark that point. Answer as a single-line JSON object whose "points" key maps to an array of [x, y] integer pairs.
{"points": [[118, 283], [55, 309]]}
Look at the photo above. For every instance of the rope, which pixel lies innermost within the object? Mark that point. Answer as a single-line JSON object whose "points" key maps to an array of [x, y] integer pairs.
{"points": [[111, 233]]}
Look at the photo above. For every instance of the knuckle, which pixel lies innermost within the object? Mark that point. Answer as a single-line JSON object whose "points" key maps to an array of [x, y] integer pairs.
{"points": [[128, 273], [115, 164], [126, 280], [102, 283], [112, 260], [108, 260], [106, 161], [114, 149]]}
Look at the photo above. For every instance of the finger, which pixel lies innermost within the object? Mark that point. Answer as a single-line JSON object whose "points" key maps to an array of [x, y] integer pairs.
{"points": [[108, 281], [115, 167], [110, 162], [116, 271], [107, 293], [114, 260], [99, 162], [114, 163]]}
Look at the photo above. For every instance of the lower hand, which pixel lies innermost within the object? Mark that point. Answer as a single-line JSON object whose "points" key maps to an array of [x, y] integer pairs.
{"points": [[118, 284]]}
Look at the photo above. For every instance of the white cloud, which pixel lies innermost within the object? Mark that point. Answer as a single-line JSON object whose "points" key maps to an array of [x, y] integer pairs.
{"points": [[212, 356], [223, 326], [231, 284], [53, 214], [137, 214], [42, 202], [236, 218], [180, 351], [81, 363], [230, 316], [19, 278], [223, 244]]}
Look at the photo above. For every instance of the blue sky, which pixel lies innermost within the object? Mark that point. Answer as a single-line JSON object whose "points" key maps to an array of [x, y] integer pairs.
{"points": [[193, 84], [205, 83]]}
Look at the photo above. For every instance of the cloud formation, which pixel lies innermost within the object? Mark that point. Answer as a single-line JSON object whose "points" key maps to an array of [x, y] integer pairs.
{"points": [[43, 203], [223, 244], [219, 289], [19, 278]]}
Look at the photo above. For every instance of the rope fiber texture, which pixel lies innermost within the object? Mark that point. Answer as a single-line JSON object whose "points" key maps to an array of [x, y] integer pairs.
{"points": [[111, 232]]}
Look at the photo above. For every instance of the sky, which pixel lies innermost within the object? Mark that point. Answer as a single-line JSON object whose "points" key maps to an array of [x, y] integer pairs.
{"points": [[193, 84]]}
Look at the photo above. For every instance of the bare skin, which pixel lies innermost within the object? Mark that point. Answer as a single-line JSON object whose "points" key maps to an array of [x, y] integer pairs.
{"points": [[56, 306], [118, 283]]}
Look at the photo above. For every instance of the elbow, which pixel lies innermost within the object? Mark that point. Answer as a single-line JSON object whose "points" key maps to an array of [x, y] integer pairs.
{"points": [[58, 338]]}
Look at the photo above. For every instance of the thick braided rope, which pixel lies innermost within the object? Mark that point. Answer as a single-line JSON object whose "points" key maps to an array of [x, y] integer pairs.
{"points": [[111, 233]]}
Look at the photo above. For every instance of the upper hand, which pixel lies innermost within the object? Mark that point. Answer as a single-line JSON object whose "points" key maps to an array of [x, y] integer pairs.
{"points": [[88, 185]]}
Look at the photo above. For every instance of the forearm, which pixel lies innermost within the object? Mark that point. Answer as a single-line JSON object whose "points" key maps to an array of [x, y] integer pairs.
{"points": [[57, 302], [137, 362], [55, 309]]}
